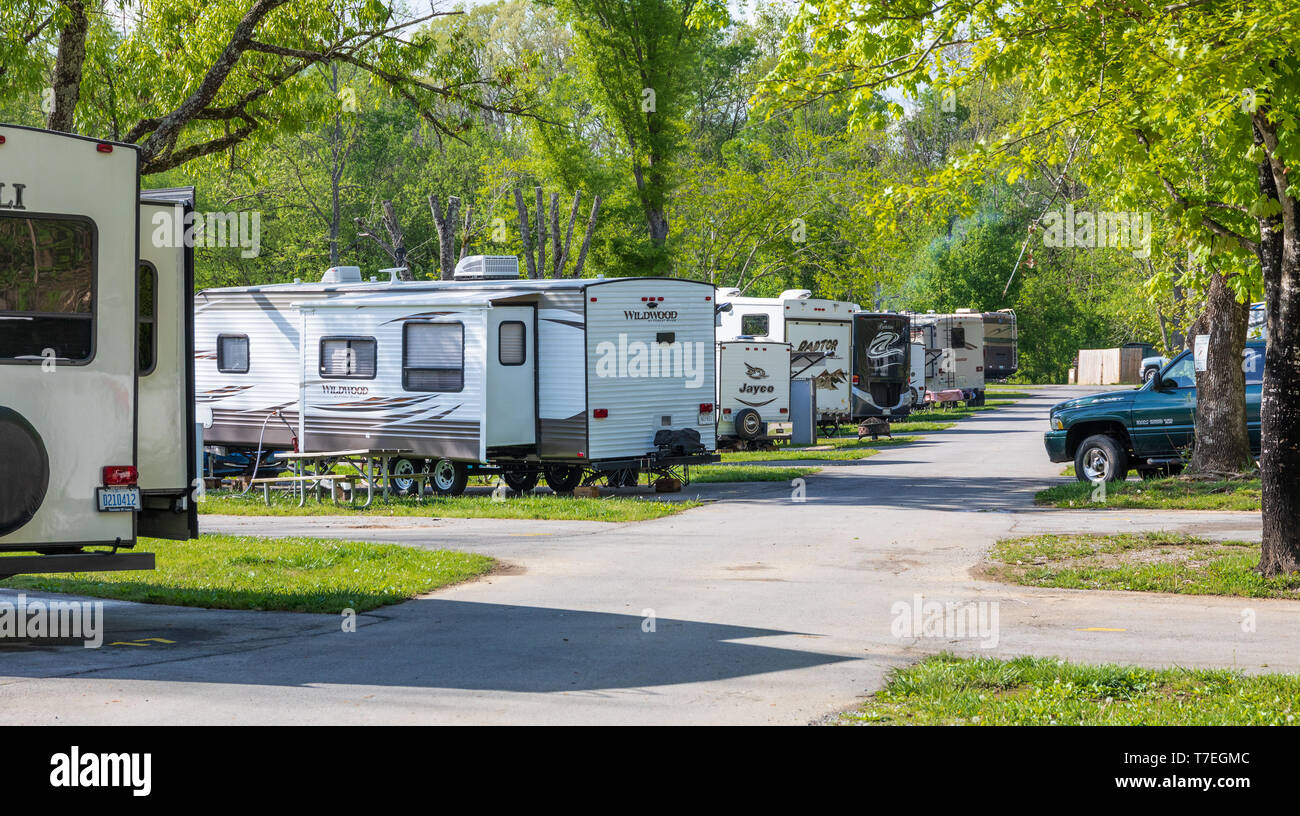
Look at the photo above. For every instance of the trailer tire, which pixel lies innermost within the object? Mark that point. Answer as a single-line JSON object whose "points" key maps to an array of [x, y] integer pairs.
{"points": [[520, 481], [24, 471], [749, 425], [563, 478], [448, 478], [403, 478]]}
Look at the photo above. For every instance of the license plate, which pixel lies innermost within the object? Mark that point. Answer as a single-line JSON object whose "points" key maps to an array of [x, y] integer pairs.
{"points": [[706, 419], [118, 499]]}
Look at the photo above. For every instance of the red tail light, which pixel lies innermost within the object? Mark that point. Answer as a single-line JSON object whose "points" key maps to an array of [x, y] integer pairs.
{"points": [[104, 147], [706, 407], [855, 379], [785, 410], [600, 413], [115, 475], [726, 411]]}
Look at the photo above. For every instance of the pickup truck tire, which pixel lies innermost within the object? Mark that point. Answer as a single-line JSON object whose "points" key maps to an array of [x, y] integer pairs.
{"points": [[1101, 457], [1150, 374]]}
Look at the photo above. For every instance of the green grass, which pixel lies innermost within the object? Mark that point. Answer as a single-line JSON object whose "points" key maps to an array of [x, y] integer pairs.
{"points": [[533, 506], [1156, 494], [748, 473], [946, 690], [286, 574], [1145, 562]]}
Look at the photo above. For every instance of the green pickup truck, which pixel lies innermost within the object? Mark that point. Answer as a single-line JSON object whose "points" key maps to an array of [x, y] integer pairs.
{"points": [[1149, 429]]}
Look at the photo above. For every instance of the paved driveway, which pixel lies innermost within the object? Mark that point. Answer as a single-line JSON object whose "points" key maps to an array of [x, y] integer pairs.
{"points": [[756, 608]]}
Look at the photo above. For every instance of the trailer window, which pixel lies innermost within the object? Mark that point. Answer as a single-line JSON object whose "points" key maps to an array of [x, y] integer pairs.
{"points": [[147, 318], [433, 357], [512, 350], [47, 286], [754, 325], [347, 358], [232, 353], [957, 338]]}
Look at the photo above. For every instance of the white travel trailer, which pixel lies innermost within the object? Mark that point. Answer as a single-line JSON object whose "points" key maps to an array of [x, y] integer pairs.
{"points": [[808, 324], [954, 352], [753, 392], [485, 373], [94, 346]]}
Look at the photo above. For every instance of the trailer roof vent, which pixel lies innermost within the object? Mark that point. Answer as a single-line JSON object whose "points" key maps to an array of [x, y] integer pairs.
{"points": [[342, 274], [796, 294], [487, 267], [728, 293]]}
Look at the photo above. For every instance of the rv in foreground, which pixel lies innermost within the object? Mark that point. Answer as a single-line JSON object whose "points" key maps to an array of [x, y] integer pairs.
{"points": [[94, 346]]}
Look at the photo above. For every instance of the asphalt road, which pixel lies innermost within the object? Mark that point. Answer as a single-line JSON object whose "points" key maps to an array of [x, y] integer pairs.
{"points": [[765, 606]]}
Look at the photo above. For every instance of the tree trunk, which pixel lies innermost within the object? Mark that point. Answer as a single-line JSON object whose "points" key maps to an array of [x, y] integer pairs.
{"points": [[556, 259], [67, 68], [445, 224], [1279, 255], [586, 239], [529, 260], [1222, 444], [541, 234]]}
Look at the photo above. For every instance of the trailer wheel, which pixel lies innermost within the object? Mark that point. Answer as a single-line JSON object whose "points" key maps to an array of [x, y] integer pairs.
{"points": [[520, 481], [449, 478], [748, 424], [403, 477], [24, 471], [563, 478]]}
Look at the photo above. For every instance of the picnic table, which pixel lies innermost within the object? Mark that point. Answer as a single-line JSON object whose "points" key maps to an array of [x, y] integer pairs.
{"points": [[314, 471]]}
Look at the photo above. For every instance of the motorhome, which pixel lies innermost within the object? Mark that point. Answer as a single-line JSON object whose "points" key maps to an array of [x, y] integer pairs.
{"points": [[94, 344], [818, 327], [882, 367], [484, 373], [954, 352], [753, 405], [1001, 344]]}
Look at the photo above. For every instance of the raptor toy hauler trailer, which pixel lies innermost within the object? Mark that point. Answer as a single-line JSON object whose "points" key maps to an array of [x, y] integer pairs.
{"points": [[882, 367], [1001, 344], [810, 325], [94, 312], [753, 406], [954, 353], [485, 373]]}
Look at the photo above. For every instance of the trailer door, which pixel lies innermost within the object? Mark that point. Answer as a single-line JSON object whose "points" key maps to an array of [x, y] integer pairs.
{"points": [[511, 396], [164, 348]]}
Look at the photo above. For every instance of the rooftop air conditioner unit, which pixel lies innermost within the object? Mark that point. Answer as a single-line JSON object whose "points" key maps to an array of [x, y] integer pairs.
{"points": [[342, 274], [487, 267], [796, 294]]}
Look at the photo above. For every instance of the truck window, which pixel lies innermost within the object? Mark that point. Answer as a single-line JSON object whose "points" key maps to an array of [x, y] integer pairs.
{"points": [[754, 325], [1182, 371], [347, 358], [1254, 365], [433, 357], [47, 288]]}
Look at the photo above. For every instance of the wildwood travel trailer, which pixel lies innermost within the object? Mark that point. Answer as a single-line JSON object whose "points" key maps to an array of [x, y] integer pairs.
{"points": [[809, 325], [753, 406], [954, 353], [882, 368], [94, 344], [485, 373]]}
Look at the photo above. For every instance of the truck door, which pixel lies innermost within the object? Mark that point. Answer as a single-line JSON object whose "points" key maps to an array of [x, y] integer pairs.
{"points": [[1164, 421], [165, 355]]}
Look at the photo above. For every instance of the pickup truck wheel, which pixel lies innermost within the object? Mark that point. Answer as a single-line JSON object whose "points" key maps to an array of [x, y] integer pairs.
{"points": [[1150, 374], [1101, 458]]}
